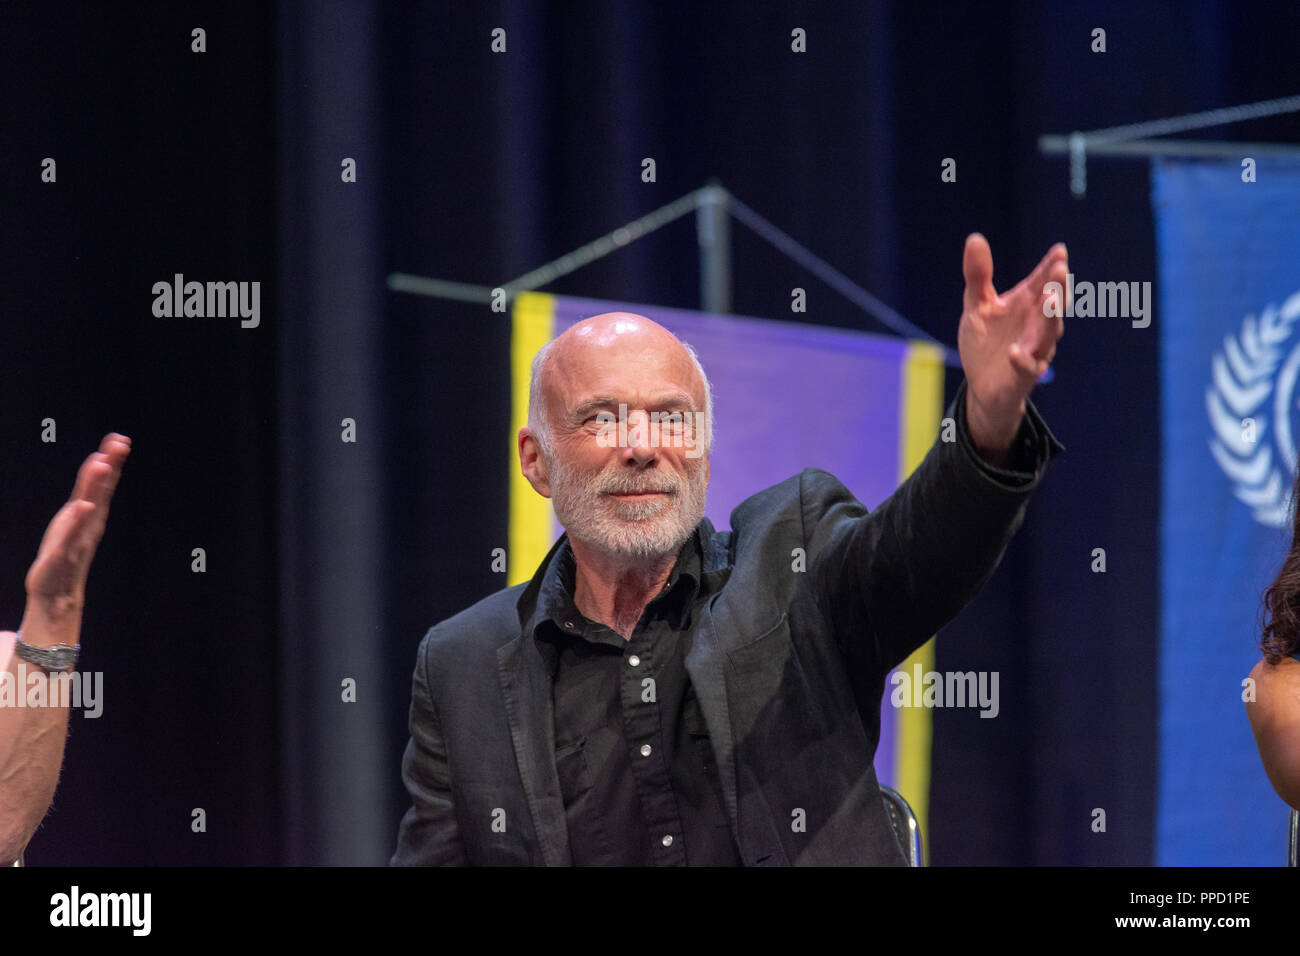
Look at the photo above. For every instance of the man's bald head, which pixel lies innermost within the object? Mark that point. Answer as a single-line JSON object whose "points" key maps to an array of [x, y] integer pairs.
{"points": [[605, 343]]}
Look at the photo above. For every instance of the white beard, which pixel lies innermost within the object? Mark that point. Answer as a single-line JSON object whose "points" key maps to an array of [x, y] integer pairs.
{"points": [[641, 530]]}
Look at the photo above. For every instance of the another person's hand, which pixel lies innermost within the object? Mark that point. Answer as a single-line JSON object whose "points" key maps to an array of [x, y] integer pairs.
{"points": [[32, 738], [1006, 341], [56, 582]]}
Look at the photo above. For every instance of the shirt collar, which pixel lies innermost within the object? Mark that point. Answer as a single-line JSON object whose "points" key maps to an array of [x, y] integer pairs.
{"points": [[555, 582]]}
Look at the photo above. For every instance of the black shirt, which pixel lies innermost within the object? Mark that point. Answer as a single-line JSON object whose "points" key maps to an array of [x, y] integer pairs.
{"points": [[637, 772]]}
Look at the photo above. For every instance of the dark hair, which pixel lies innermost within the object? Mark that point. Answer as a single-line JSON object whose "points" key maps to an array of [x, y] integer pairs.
{"points": [[1281, 634]]}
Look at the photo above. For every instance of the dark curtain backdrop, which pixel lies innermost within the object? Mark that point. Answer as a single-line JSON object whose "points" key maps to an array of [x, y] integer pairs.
{"points": [[327, 561]]}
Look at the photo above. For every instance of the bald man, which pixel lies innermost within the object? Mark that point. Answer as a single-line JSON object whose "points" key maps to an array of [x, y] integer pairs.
{"points": [[663, 693], [31, 737]]}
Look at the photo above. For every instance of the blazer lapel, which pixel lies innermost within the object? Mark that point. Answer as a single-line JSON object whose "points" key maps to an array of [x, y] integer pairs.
{"points": [[526, 687], [705, 664]]}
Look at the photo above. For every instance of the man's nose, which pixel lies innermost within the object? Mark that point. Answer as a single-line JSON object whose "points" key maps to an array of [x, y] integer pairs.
{"points": [[641, 444]]}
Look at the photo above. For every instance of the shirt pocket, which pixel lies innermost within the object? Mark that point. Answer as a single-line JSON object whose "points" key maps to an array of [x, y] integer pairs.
{"points": [[572, 767]]}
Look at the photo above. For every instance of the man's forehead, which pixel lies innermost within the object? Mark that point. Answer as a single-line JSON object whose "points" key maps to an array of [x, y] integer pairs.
{"points": [[637, 388], [620, 353]]}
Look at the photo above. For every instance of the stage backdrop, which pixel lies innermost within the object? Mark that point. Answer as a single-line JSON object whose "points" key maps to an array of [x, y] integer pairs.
{"points": [[1229, 255], [787, 396]]}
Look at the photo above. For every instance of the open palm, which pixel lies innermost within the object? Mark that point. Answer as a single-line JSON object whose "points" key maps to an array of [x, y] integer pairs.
{"points": [[56, 582], [1007, 341]]}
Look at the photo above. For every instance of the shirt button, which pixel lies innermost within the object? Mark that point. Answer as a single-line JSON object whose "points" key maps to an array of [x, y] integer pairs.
{"points": [[569, 625], [645, 750], [667, 840], [634, 660]]}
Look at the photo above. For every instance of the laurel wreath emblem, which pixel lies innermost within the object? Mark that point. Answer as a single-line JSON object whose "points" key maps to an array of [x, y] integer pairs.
{"points": [[1241, 382]]}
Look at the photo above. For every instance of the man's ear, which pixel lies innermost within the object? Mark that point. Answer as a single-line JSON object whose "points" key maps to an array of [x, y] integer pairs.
{"points": [[531, 463]]}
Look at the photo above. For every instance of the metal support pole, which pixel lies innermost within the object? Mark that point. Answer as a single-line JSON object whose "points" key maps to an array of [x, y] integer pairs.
{"points": [[713, 230], [1137, 139]]}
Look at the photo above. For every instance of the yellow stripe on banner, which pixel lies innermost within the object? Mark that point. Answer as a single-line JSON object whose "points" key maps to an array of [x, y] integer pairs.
{"points": [[531, 531], [921, 408]]}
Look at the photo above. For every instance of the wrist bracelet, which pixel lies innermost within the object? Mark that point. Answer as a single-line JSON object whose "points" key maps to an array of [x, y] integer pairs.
{"points": [[60, 657]]}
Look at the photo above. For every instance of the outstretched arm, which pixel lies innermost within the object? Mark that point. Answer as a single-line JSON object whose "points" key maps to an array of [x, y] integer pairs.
{"points": [[32, 738], [909, 566]]}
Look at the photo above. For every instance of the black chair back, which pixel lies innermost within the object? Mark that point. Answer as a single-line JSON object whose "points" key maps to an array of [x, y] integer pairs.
{"points": [[907, 830]]}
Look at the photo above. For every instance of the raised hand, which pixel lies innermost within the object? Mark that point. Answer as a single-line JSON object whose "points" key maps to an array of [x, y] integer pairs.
{"points": [[56, 582], [1006, 341], [32, 738]]}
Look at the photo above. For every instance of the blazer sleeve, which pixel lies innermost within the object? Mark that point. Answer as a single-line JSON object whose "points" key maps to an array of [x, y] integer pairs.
{"points": [[429, 834], [888, 579]]}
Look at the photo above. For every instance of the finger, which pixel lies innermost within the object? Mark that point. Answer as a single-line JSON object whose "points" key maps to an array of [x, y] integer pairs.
{"points": [[96, 480], [1045, 326], [1048, 323], [1058, 271], [66, 530], [84, 534], [1038, 348], [977, 268], [105, 470], [1051, 266], [79, 525], [63, 562], [1025, 365], [1049, 333], [99, 473]]}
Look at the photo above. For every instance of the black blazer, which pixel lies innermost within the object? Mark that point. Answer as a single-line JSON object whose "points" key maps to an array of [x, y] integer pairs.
{"points": [[819, 601]]}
